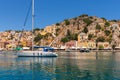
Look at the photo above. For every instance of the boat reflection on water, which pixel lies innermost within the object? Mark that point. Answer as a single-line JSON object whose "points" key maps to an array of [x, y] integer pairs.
{"points": [[43, 61], [10, 61]]}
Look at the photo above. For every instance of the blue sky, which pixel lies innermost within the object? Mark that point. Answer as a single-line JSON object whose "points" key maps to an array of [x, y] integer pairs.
{"points": [[47, 12]]}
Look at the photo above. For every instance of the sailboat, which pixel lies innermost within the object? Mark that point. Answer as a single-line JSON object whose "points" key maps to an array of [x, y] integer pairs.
{"points": [[36, 53]]}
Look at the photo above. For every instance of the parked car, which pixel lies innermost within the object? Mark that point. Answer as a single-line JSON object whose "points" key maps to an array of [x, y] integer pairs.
{"points": [[84, 50]]}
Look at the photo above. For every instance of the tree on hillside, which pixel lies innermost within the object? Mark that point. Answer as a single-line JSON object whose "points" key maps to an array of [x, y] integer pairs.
{"points": [[84, 15], [109, 40], [36, 29], [67, 22], [73, 37], [104, 19], [100, 39], [38, 38], [91, 17], [65, 39], [47, 35], [114, 20], [75, 18], [85, 30], [76, 37], [69, 36], [107, 32], [90, 36], [78, 27], [87, 21], [68, 33], [107, 24], [57, 24], [98, 27]]}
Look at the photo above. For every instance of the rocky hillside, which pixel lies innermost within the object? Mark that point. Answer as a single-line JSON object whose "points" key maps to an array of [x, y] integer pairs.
{"points": [[97, 29]]}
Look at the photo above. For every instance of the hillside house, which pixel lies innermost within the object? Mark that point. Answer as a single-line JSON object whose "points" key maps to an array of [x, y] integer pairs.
{"points": [[82, 37]]}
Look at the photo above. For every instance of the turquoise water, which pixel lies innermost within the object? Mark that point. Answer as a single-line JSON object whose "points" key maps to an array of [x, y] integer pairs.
{"points": [[67, 66]]}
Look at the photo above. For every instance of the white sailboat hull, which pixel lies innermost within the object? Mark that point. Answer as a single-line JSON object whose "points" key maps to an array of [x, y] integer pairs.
{"points": [[36, 54]]}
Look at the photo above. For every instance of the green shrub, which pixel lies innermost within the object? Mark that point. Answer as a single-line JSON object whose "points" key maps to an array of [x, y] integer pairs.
{"points": [[38, 38], [107, 32], [98, 27], [100, 39], [64, 40], [90, 36], [85, 30], [107, 24], [84, 15], [57, 24], [101, 47], [67, 22], [114, 20], [104, 19], [87, 21]]}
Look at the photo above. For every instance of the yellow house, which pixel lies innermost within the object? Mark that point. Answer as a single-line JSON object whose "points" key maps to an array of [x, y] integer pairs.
{"points": [[10, 46], [50, 29], [43, 33], [82, 37], [82, 40], [24, 43], [82, 44]]}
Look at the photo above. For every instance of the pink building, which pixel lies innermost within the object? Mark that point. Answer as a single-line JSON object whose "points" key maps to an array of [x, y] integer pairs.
{"points": [[70, 44]]}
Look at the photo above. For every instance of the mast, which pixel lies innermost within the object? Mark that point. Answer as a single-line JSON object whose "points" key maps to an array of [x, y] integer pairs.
{"points": [[33, 15]]}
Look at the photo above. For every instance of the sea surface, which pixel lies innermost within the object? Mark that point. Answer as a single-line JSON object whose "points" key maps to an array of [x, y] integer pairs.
{"points": [[67, 66]]}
